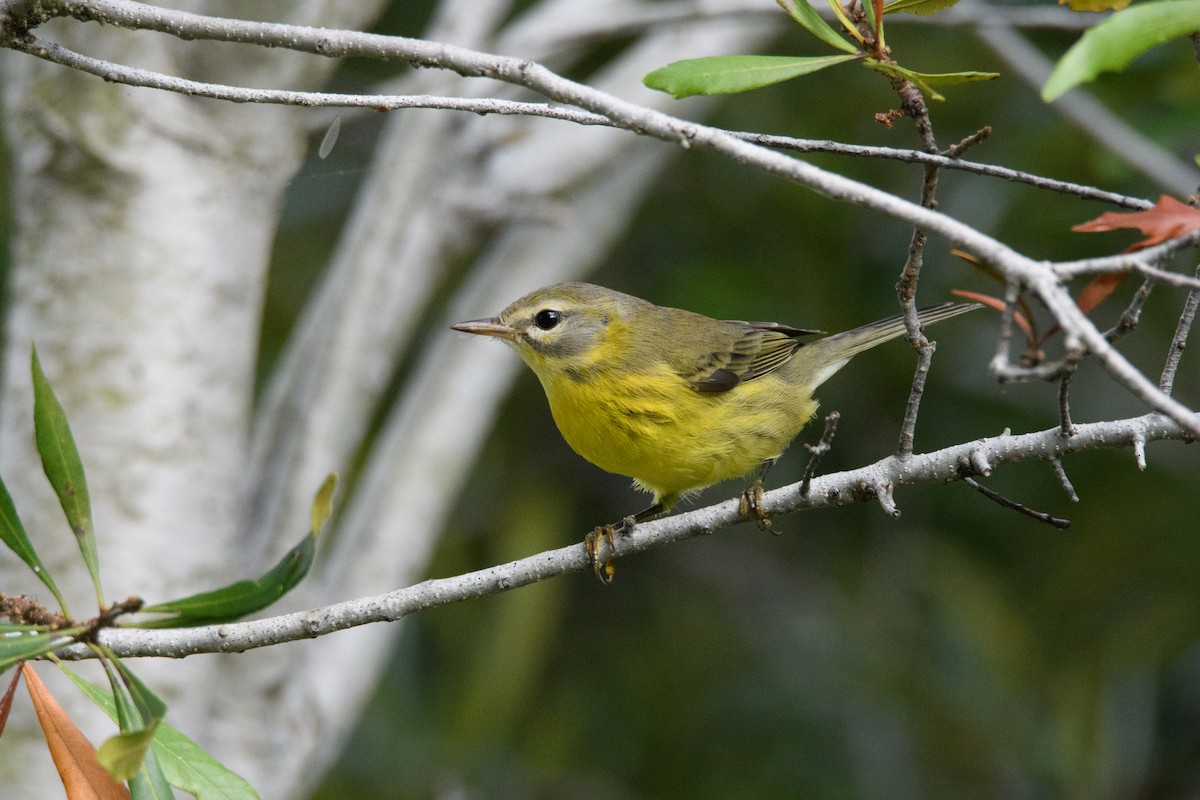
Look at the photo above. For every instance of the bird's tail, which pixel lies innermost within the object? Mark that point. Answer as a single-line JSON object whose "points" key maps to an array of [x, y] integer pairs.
{"points": [[826, 356]]}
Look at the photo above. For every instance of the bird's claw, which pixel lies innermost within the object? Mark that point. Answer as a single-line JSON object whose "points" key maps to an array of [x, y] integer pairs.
{"points": [[604, 569], [750, 506]]}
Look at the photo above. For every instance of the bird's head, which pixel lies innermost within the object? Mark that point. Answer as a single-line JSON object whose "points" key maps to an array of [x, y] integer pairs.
{"points": [[559, 328]]}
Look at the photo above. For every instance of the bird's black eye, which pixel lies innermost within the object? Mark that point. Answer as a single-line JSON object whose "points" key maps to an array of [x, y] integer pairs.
{"points": [[548, 318]]}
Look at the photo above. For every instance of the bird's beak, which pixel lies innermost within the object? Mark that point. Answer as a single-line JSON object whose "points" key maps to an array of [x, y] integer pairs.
{"points": [[486, 327]]}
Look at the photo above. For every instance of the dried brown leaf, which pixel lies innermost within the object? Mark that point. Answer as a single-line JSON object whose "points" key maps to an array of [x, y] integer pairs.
{"points": [[6, 701], [1099, 288], [999, 305], [73, 754], [1168, 219]]}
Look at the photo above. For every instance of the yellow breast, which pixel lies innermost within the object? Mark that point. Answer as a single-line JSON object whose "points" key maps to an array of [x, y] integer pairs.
{"points": [[653, 427]]}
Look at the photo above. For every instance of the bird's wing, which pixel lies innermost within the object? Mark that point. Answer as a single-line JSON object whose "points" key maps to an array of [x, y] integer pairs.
{"points": [[751, 350]]}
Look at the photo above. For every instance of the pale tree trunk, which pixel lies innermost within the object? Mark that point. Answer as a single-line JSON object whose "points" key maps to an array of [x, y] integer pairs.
{"points": [[144, 224]]}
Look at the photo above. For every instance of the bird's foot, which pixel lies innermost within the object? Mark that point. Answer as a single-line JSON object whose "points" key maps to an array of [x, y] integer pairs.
{"points": [[604, 568], [750, 507]]}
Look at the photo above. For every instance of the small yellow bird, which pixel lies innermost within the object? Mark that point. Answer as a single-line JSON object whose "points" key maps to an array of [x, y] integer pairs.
{"points": [[675, 400]]}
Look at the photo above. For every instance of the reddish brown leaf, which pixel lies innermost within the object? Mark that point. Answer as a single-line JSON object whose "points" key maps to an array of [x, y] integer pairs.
{"points": [[73, 754], [1168, 219], [999, 305], [995, 275], [6, 701], [1099, 288]]}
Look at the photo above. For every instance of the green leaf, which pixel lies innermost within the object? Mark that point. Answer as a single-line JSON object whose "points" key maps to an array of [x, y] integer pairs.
{"points": [[245, 597], [921, 8], [17, 627], [927, 80], [12, 533], [869, 9], [149, 705], [732, 74], [150, 783], [60, 460], [836, 7], [194, 771], [122, 755], [185, 765], [127, 756], [237, 599], [128, 717], [803, 12], [1112, 44], [22, 647]]}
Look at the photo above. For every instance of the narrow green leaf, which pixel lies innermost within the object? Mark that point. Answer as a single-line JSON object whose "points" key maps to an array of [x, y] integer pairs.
{"points": [[322, 505], [732, 74], [932, 78], [247, 596], [16, 627], [12, 533], [149, 705], [60, 460], [150, 783], [22, 647], [803, 12], [927, 80], [874, 21], [127, 756], [237, 599], [921, 8], [128, 717], [1118, 40], [185, 765], [836, 7]]}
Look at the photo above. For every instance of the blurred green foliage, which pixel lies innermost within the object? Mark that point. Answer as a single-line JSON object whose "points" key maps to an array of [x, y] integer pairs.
{"points": [[963, 651]]}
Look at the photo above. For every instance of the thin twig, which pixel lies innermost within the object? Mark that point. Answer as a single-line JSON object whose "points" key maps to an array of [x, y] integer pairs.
{"points": [[1001, 365], [906, 291], [1179, 341], [1136, 262], [996, 497], [1065, 426], [912, 408], [818, 450], [1132, 314], [955, 151], [948, 162], [132, 76], [1061, 473], [913, 103]]}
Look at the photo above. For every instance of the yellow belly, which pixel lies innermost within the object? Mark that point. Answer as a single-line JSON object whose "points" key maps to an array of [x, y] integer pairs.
{"points": [[672, 439]]}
